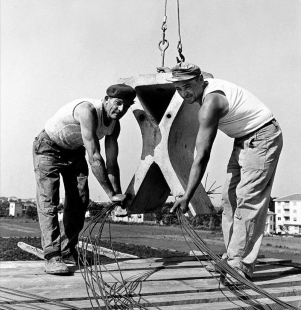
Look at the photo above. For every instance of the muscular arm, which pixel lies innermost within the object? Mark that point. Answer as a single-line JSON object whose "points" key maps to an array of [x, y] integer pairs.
{"points": [[86, 114], [212, 110], [111, 147], [206, 75]]}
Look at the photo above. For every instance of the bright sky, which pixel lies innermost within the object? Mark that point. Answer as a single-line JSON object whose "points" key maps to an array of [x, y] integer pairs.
{"points": [[54, 51]]}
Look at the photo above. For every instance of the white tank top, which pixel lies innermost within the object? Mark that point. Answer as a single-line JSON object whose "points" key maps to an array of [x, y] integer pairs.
{"points": [[246, 112], [64, 129]]}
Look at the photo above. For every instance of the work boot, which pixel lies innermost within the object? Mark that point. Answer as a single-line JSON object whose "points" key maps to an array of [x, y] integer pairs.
{"points": [[55, 265], [229, 280], [78, 260], [213, 267], [71, 258]]}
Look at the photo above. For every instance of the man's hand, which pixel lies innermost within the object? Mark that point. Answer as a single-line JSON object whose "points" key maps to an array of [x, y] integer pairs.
{"points": [[181, 203], [163, 69], [120, 198]]}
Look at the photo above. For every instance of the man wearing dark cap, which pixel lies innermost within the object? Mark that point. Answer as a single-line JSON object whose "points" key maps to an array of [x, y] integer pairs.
{"points": [[60, 150], [252, 166]]}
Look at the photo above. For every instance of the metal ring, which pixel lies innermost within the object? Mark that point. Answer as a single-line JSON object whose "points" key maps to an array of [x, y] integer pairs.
{"points": [[162, 43]]}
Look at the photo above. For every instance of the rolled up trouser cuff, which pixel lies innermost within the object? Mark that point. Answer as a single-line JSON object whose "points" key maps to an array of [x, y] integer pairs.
{"points": [[50, 255]]}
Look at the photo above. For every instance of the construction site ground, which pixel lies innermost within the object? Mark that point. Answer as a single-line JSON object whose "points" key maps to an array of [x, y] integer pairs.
{"points": [[161, 237], [174, 282]]}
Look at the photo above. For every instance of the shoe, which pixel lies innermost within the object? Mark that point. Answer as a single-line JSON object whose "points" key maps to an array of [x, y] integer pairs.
{"points": [[229, 280], [75, 259], [213, 267], [55, 265], [71, 258]]}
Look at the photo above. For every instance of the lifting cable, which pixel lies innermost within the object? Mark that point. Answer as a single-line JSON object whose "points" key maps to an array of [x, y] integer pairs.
{"points": [[34, 299], [237, 288], [179, 47], [164, 44], [108, 288], [104, 285], [116, 292]]}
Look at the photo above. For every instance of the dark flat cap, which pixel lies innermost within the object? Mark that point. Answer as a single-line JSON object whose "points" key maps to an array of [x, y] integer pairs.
{"points": [[184, 71], [121, 91]]}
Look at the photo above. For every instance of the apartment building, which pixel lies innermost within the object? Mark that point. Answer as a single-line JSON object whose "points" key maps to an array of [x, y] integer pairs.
{"points": [[270, 223], [15, 209], [288, 214]]}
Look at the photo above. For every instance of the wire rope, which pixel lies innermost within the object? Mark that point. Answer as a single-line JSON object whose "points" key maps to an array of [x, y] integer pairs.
{"points": [[225, 269], [181, 57], [35, 297], [124, 293]]}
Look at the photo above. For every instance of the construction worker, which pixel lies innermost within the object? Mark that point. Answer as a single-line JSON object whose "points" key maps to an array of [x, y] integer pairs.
{"points": [[252, 165], [60, 150]]}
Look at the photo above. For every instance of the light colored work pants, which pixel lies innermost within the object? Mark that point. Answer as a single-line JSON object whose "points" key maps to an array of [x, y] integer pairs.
{"points": [[246, 194]]}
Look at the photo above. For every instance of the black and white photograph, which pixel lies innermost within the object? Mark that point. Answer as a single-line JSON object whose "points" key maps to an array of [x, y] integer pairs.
{"points": [[150, 154]]}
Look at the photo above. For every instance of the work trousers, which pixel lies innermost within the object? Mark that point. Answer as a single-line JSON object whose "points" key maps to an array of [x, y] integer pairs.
{"points": [[51, 161], [246, 194]]}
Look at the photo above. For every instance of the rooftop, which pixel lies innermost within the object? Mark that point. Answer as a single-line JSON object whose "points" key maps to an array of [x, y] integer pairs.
{"points": [[293, 197]]}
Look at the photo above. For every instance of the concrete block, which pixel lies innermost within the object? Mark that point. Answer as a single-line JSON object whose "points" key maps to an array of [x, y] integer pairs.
{"points": [[169, 129]]}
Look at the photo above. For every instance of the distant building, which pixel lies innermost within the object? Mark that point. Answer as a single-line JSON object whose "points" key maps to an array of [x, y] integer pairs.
{"points": [[27, 204], [15, 209], [61, 214], [120, 215], [288, 214], [270, 223], [28, 200], [61, 210], [133, 218], [12, 198]]}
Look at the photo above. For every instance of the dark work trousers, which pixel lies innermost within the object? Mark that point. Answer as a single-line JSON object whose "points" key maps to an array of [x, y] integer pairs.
{"points": [[51, 161]]}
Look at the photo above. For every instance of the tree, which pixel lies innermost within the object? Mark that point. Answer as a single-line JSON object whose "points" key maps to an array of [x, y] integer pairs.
{"points": [[165, 216], [95, 207], [4, 208], [31, 212]]}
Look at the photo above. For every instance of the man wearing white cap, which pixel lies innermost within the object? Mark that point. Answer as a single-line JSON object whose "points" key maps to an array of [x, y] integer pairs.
{"points": [[60, 150], [252, 165]]}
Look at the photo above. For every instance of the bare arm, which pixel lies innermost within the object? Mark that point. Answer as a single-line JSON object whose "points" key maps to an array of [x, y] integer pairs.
{"points": [[209, 114], [206, 75], [86, 114], [111, 147]]}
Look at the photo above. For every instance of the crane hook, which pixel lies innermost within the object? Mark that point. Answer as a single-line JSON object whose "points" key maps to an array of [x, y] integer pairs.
{"points": [[182, 57]]}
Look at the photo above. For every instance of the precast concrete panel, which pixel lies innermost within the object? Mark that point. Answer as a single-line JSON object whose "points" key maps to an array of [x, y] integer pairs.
{"points": [[169, 129]]}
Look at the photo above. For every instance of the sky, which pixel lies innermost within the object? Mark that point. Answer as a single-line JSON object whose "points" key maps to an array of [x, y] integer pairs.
{"points": [[54, 51]]}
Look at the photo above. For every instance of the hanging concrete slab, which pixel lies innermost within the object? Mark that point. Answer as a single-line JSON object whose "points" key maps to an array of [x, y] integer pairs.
{"points": [[169, 129]]}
